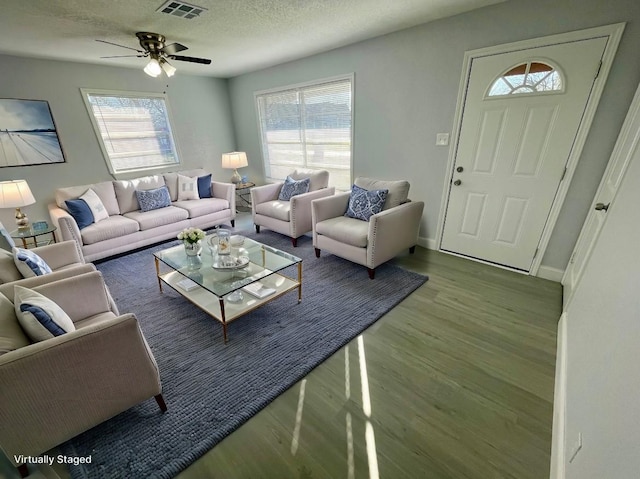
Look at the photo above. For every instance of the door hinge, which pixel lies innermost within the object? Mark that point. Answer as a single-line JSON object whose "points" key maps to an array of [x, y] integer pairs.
{"points": [[573, 258], [536, 253], [564, 173], [599, 68]]}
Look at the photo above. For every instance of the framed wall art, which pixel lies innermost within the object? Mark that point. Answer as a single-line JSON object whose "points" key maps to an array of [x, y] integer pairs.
{"points": [[28, 134]]}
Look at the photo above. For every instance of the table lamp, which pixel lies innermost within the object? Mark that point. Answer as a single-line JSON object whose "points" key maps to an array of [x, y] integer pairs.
{"points": [[235, 160], [15, 194]]}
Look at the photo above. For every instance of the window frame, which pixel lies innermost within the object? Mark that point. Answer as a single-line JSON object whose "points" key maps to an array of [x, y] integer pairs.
{"points": [[86, 92], [555, 68], [266, 163]]}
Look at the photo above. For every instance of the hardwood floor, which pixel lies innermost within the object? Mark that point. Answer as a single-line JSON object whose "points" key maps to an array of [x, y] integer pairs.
{"points": [[455, 382]]}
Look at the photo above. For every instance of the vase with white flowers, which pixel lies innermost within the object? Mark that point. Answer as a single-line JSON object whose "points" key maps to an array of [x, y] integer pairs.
{"points": [[192, 240]]}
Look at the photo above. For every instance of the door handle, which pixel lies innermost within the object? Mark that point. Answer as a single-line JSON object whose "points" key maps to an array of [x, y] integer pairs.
{"points": [[457, 182], [602, 206]]}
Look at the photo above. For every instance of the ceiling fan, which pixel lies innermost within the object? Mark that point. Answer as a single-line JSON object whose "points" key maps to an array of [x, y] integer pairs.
{"points": [[154, 47]]}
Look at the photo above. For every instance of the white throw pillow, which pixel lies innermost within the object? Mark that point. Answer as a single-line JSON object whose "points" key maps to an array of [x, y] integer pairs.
{"points": [[29, 263], [187, 188], [40, 317], [95, 205]]}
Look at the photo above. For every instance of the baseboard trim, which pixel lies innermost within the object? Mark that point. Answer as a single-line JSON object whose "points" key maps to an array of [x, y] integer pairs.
{"points": [[559, 403], [428, 243], [553, 274]]}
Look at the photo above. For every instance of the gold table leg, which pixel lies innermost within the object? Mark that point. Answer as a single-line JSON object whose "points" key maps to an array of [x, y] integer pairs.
{"points": [[158, 273]]}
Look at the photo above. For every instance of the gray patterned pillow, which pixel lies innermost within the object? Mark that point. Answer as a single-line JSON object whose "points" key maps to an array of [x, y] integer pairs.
{"points": [[363, 204], [153, 199], [292, 188]]}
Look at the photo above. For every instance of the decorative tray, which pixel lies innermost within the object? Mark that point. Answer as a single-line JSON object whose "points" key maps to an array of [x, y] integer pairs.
{"points": [[230, 263]]}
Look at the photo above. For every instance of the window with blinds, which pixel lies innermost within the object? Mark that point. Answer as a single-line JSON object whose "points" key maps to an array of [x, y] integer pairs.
{"points": [[308, 126], [133, 129]]}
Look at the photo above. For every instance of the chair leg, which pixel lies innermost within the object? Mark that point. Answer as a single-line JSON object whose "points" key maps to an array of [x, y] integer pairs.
{"points": [[294, 242], [317, 252], [412, 249], [372, 273], [233, 223], [161, 403], [22, 469], [257, 228]]}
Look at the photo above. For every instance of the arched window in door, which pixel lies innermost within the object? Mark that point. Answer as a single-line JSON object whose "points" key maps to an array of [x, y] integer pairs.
{"points": [[527, 78]]}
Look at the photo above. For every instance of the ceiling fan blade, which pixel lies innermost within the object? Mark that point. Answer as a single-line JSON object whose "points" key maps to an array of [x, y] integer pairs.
{"points": [[174, 48], [204, 61], [125, 56], [121, 46]]}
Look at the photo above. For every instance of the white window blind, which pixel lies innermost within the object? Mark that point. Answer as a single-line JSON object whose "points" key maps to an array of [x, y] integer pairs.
{"points": [[308, 126], [133, 129]]}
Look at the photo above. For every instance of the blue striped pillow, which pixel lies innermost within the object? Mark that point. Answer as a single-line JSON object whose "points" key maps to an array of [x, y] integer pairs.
{"points": [[29, 263]]}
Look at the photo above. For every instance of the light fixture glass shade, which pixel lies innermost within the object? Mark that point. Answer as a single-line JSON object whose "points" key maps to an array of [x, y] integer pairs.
{"points": [[235, 159], [14, 194], [168, 68], [153, 68]]}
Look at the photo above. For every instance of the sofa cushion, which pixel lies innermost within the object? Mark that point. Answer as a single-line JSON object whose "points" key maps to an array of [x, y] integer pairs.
{"points": [[275, 209], [204, 186], [154, 218], [126, 191], [94, 203], [363, 203], [171, 180], [104, 190], [292, 187], [112, 227], [203, 206], [318, 179], [29, 263], [40, 317], [12, 336], [80, 211], [345, 230], [187, 188], [8, 270], [153, 199], [398, 191]]}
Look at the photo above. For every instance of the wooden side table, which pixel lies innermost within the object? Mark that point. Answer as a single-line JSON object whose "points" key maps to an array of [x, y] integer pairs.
{"points": [[33, 233], [243, 194]]}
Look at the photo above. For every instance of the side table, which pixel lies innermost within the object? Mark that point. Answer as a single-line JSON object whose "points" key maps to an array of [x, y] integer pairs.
{"points": [[33, 233], [243, 194]]}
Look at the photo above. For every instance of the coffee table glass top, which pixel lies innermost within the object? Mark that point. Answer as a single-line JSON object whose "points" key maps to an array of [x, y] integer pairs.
{"points": [[264, 260]]}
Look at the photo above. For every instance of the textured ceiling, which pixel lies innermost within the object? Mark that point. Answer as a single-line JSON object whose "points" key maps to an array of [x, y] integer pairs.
{"points": [[238, 35]]}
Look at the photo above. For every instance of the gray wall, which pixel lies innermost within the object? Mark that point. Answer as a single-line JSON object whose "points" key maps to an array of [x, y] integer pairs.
{"points": [[199, 105], [406, 87]]}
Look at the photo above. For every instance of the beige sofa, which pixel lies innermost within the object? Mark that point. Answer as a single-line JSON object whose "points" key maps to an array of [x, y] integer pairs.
{"points": [[127, 227], [55, 389]]}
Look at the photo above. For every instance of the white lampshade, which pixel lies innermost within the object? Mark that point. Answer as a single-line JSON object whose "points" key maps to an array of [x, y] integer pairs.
{"points": [[235, 159], [153, 68], [168, 68], [14, 194]]}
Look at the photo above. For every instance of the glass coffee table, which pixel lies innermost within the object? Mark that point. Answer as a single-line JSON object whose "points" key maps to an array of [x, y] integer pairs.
{"points": [[229, 292]]}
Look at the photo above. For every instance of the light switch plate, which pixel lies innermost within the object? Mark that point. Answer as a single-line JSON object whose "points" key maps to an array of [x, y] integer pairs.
{"points": [[442, 139]]}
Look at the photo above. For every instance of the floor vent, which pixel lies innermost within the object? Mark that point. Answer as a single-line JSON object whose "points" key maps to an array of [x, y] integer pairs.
{"points": [[181, 9]]}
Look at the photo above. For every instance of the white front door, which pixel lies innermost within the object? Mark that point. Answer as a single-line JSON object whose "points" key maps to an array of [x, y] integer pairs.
{"points": [[521, 114]]}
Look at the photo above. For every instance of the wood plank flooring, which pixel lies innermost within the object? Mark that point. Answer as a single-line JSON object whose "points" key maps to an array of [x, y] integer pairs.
{"points": [[455, 382]]}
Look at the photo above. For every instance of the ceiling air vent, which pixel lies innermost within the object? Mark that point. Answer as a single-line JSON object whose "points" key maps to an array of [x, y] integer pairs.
{"points": [[181, 9]]}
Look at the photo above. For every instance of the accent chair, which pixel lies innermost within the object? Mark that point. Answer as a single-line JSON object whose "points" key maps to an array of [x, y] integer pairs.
{"points": [[372, 241], [291, 217]]}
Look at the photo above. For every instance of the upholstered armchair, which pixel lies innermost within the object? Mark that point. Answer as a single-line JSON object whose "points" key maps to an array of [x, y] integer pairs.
{"points": [[367, 242], [289, 217], [57, 388]]}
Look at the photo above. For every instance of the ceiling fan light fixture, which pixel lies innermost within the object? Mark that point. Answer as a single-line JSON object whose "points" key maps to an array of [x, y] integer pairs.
{"points": [[153, 68], [168, 68]]}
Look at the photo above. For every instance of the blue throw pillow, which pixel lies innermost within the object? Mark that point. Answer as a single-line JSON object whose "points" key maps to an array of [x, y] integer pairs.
{"points": [[81, 212], [6, 241], [363, 204], [153, 199], [292, 188], [39, 316], [29, 263], [204, 186]]}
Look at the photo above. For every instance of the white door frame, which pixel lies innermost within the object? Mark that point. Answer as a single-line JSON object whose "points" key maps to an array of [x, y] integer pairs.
{"points": [[614, 32]]}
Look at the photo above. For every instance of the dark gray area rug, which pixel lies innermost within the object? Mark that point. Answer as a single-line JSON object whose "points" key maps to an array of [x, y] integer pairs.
{"points": [[212, 388]]}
